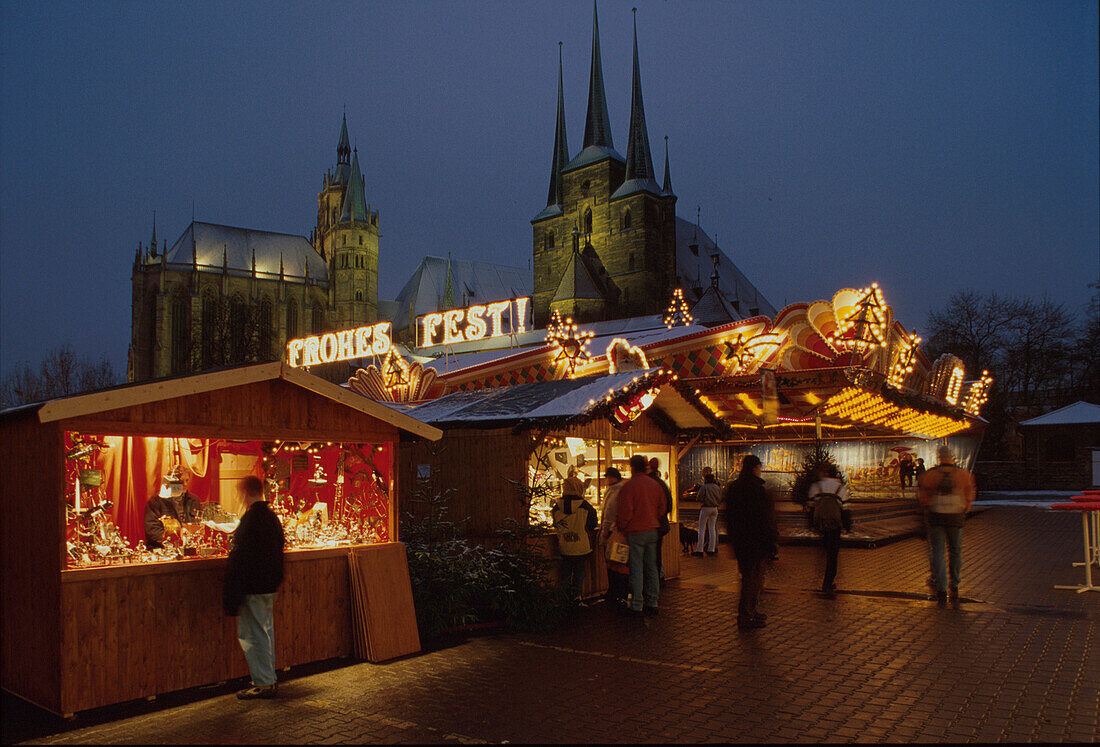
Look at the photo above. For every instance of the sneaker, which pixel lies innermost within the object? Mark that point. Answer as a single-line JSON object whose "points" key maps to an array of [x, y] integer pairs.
{"points": [[258, 693], [953, 598], [712, 553], [760, 616], [697, 554], [650, 611], [941, 598], [751, 623]]}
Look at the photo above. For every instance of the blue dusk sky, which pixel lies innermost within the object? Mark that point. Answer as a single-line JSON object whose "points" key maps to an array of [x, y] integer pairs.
{"points": [[929, 146]]}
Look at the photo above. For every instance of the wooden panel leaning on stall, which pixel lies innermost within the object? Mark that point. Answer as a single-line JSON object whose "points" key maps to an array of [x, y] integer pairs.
{"points": [[89, 637]]}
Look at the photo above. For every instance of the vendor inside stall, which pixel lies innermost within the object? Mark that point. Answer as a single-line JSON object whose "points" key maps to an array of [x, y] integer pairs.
{"points": [[169, 509]]}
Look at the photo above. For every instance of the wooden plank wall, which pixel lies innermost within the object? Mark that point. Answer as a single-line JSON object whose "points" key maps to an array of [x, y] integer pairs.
{"points": [[477, 464], [266, 409], [140, 631], [31, 517]]}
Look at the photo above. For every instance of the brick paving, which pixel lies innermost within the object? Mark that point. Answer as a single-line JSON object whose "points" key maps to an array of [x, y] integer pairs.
{"points": [[1019, 661]]}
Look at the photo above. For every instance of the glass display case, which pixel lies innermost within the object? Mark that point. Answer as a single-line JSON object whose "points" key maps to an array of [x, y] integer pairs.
{"points": [[132, 499]]}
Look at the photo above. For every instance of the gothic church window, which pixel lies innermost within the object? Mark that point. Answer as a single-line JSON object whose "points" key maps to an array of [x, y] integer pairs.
{"points": [[588, 220], [358, 295], [318, 317], [209, 328], [631, 264], [237, 335], [181, 339], [625, 220], [264, 334], [292, 320], [550, 240], [360, 241]]}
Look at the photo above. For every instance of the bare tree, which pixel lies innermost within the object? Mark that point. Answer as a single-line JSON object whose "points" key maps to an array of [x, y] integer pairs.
{"points": [[1037, 355], [973, 327], [1085, 365], [60, 373]]}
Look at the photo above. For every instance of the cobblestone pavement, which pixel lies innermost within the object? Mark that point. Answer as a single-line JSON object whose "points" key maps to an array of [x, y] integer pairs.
{"points": [[1018, 661]]}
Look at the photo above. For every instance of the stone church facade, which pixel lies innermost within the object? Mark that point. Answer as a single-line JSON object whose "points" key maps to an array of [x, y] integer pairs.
{"points": [[605, 245], [223, 295]]}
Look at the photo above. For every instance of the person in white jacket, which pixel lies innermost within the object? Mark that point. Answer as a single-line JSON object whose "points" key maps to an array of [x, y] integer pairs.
{"points": [[829, 484]]}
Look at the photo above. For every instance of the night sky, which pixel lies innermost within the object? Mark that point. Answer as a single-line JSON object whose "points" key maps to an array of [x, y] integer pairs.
{"points": [[931, 147]]}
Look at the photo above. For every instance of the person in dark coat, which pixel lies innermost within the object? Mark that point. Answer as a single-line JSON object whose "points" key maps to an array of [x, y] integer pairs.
{"points": [[750, 516], [252, 577]]}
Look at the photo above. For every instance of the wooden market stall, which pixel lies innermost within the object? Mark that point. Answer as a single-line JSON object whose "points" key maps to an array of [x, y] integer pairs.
{"points": [[95, 622], [505, 450]]}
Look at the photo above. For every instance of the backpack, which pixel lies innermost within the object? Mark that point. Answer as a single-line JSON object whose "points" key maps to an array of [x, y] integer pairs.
{"points": [[572, 537], [827, 515], [946, 499]]}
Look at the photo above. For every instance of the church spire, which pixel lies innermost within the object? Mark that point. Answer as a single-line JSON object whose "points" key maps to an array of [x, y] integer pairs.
{"points": [[666, 188], [561, 144], [597, 130], [355, 203], [343, 148], [339, 175], [639, 161]]}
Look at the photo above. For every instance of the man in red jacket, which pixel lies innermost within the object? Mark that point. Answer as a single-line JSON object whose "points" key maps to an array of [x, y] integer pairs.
{"points": [[641, 504]]}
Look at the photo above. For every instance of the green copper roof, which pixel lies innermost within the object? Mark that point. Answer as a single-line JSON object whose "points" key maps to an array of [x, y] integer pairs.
{"points": [[355, 203]]}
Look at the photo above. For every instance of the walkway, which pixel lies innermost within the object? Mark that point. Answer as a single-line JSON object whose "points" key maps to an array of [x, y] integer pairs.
{"points": [[1018, 662]]}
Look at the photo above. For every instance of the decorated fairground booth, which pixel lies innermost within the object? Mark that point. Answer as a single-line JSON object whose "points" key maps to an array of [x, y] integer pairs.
{"points": [[118, 508], [506, 451], [842, 374]]}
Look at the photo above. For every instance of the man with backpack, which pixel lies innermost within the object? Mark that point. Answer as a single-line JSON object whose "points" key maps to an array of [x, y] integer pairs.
{"points": [[946, 492], [829, 499]]}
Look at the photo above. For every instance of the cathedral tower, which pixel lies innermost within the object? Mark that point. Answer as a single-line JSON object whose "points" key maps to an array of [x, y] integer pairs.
{"points": [[346, 236], [605, 245]]}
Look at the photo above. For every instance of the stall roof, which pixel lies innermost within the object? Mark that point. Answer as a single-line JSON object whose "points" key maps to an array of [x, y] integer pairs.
{"points": [[567, 400], [129, 395], [1079, 413]]}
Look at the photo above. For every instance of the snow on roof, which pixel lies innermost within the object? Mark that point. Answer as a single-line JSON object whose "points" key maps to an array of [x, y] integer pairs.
{"points": [[1076, 414], [471, 282], [213, 243], [547, 399]]}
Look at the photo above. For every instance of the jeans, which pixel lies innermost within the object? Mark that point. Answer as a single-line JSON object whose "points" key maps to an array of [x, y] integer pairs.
{"points": [[831, 540], [952, 537], [644, 579], [572, 575], [708, 528], [256, 632]]}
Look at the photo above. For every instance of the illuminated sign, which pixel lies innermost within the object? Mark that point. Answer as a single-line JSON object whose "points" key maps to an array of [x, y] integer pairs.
{"points": [[473, 323], [339, 346]]}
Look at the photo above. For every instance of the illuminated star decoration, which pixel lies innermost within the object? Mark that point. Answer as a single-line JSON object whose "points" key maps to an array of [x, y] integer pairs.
{"points": [[571, 344], [864, 328], [746, 349], [678, 311]]}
